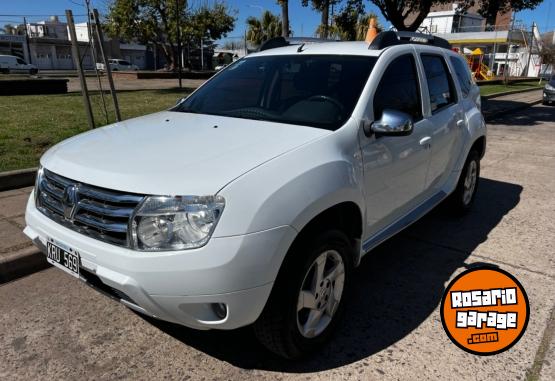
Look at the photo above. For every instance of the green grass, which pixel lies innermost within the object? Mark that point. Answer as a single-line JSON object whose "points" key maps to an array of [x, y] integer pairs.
{"points": [[30, 124], [499, 88]]}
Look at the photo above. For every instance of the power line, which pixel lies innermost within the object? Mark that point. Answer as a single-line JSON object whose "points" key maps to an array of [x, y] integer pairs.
{"points": [[45, 15]]}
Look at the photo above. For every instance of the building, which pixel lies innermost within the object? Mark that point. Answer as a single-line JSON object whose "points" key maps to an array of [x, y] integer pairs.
{"points": [[502, 20], [452, 21], [51, 28], [14, 45], [491, 50]]}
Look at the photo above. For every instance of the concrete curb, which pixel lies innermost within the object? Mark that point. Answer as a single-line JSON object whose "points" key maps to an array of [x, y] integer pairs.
{"points": [[17, 179], [20, 263]]}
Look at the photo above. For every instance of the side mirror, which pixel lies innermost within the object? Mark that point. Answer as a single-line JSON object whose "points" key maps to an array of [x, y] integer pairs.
{"points": [[392, 123]]}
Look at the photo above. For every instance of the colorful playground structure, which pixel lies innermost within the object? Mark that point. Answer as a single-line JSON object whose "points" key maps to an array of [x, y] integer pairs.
{"points": [[479, 69]]}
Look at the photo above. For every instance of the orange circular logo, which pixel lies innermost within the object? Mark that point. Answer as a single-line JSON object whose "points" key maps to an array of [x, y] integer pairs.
{"points": [[485, 311]]}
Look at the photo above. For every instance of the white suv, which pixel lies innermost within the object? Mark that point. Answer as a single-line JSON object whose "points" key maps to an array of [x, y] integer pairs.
{"points": [[253, 199]]}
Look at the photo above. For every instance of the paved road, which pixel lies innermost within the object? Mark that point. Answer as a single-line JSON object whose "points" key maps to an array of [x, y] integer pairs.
{"points": [[54, 327]]}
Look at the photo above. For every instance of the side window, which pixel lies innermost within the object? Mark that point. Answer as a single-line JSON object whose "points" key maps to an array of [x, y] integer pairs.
{"points": [[463, 75], [398, 89], [20, 61], [440, 84]]}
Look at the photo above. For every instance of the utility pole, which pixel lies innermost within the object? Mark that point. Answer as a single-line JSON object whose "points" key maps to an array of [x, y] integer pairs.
{"points": [[506, 70], [27, 40], [532, 38], [79, 66], [100, 41], [178, 26]]}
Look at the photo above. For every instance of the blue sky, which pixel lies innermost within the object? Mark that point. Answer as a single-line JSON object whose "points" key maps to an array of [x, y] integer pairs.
{"points": [[303, 20]]}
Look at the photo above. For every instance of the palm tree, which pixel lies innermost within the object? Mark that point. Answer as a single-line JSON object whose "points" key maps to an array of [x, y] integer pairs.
{"points": [[260, 30], [9, 29], [322, 6], [285, 17]]}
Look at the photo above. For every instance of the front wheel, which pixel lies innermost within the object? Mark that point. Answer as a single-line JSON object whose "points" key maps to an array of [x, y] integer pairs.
{"points": [[462, 198], [308, 297]]}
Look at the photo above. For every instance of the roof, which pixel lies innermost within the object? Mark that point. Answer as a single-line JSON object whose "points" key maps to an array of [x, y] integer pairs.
{"points": [[336, 47]]}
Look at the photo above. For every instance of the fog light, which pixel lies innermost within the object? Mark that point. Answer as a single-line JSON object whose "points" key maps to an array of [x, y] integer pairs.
{"points": [[220, 309]]}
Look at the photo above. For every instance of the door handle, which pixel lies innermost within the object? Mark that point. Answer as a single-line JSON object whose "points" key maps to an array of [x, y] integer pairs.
{"points": [[426, 142], [460, 122]]}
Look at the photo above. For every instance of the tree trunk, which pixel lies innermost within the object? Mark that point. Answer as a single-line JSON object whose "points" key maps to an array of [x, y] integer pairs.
{"points": [[284, 18], [169, 54], [325, 19]]}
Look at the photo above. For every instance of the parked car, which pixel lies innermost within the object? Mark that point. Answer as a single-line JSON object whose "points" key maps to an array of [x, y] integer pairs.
{"points": [[118, 65], [549, 91], [253, 200], [13, 64]]}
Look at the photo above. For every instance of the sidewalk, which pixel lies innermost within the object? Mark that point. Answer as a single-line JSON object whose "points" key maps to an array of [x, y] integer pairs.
{"points": [[496, 106], [18, 257]]}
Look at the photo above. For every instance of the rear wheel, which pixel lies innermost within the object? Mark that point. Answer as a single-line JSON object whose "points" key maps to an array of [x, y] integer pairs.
{"points": [[462, 198], [308, 298]]}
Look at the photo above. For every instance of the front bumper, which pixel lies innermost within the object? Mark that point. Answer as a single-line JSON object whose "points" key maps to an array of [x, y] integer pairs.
{"points": [[179, 286]]}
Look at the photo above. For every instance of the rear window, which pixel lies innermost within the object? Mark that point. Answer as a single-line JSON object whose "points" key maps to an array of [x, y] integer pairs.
{"points": [[463, 75]]}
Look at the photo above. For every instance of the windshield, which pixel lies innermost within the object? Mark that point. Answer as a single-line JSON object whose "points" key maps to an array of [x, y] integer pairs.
{"points": [[313, 90]]}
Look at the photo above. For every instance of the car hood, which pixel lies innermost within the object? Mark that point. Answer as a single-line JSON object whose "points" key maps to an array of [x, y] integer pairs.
{"points": [[173, 153]]}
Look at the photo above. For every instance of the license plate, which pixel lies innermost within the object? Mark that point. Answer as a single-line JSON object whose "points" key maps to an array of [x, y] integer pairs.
{"points": [[66, 260]]}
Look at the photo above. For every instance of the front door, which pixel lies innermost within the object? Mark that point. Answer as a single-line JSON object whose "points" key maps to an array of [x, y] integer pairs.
{"points": [[395, 167]]}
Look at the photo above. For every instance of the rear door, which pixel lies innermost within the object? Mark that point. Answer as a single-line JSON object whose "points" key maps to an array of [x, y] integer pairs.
{"points": [[445, 117]]}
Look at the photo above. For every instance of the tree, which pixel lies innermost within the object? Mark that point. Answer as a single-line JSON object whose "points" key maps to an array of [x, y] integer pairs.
{"points": [[489, 8], [547, 56], [322, 6], [351, 23], [156, 22], [284, 17], [260, 30], [397, 11]]}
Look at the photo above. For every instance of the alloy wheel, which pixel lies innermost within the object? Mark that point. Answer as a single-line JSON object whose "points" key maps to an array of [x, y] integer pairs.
{"points": [[320, 293]]}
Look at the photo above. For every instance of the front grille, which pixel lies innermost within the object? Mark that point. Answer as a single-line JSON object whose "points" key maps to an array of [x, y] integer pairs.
{"points": [[95, 212]]}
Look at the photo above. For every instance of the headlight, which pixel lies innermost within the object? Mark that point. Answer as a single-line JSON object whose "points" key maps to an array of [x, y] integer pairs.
{"points": [[549, 87], [175, 223]]}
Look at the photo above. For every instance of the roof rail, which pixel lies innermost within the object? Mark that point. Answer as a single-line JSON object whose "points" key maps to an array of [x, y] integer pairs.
{"points": [[390, 38]]}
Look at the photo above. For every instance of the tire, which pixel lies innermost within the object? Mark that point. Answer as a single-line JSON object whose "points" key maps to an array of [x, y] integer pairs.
{"points": [[545, 103], [461, 200], [285, 329]]}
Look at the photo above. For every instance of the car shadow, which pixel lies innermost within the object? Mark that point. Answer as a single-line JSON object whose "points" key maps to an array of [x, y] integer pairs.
{"points": [[528, 117], [397, 287]]}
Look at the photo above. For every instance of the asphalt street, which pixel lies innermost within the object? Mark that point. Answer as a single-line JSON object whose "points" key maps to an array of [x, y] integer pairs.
{"points": [[55, 327]]}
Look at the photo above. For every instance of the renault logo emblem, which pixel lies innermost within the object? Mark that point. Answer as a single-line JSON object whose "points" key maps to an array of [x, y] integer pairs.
{"points": [[69, 201]]}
